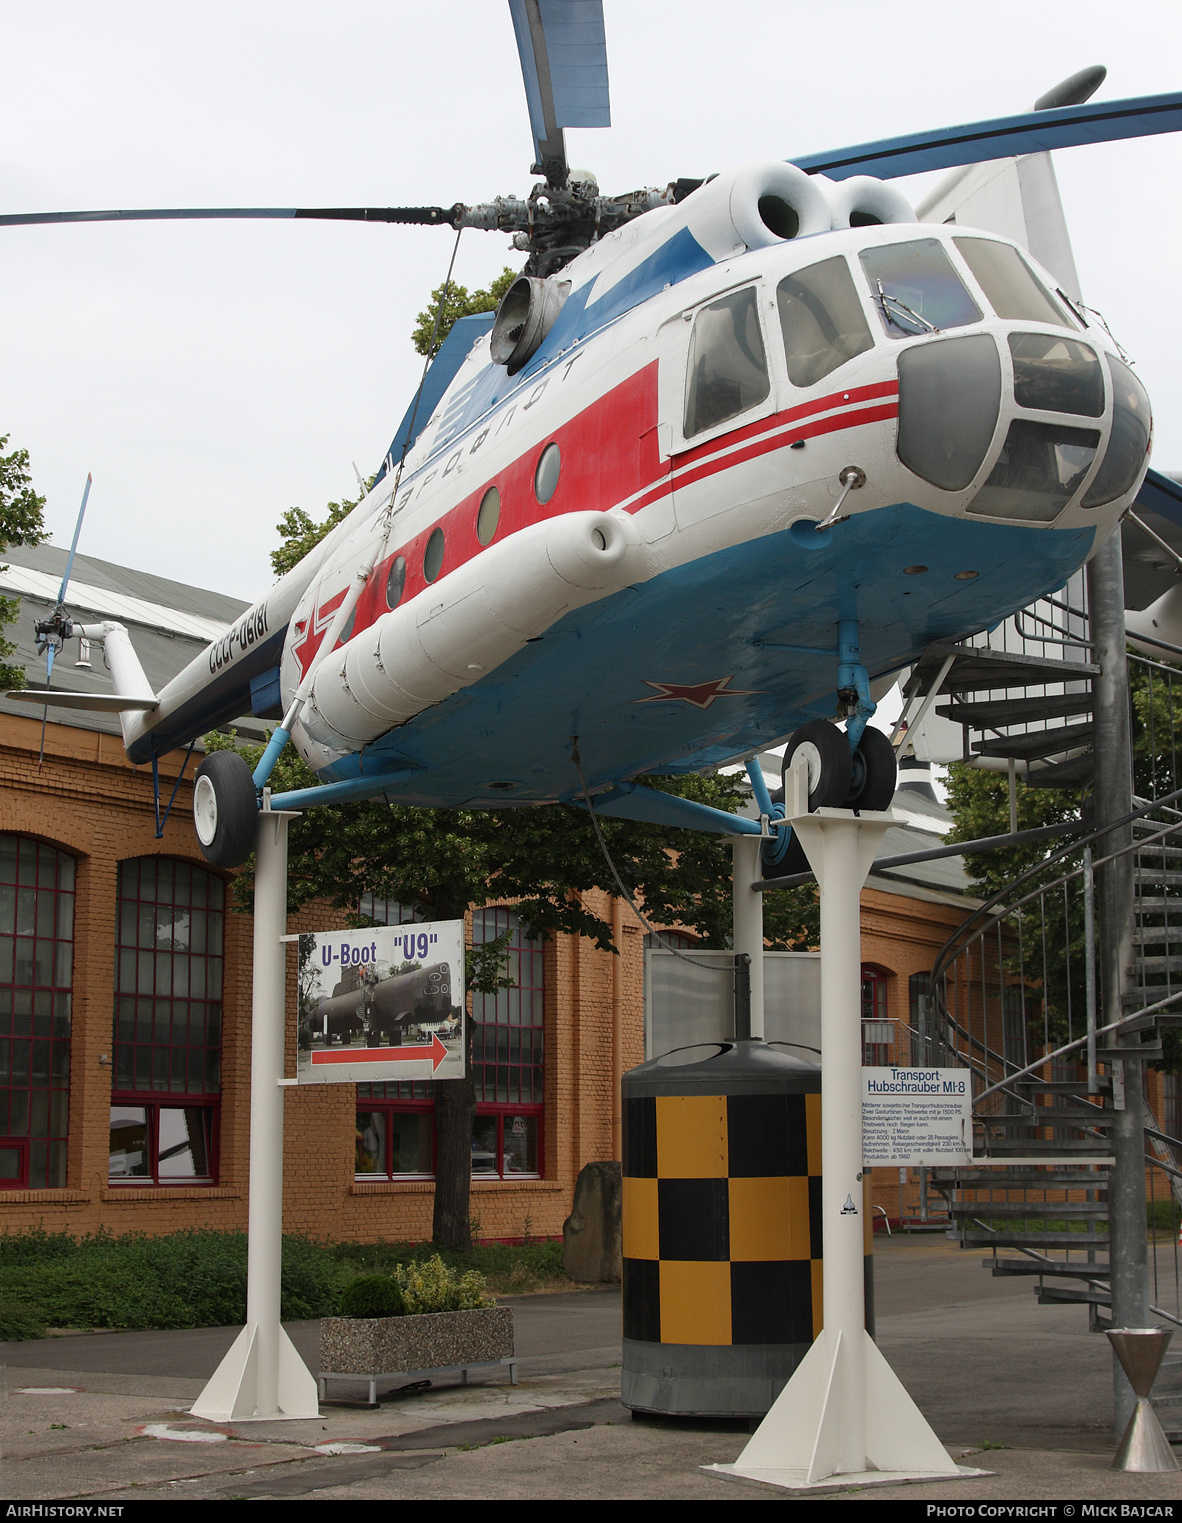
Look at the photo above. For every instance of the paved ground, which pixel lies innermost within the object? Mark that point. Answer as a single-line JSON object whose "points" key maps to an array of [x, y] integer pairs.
{"points": [[1010, 1386]]}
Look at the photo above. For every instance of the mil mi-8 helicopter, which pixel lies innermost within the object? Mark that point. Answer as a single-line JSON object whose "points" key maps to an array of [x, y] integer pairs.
{"points": [[725, 450]]}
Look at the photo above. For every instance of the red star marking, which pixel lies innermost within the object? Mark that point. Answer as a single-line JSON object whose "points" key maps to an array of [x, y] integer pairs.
{"points": [[314, 632], [700, 694]]}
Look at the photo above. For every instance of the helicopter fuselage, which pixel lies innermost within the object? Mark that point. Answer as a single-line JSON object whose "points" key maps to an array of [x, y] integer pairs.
{"points": [[622, 543]]}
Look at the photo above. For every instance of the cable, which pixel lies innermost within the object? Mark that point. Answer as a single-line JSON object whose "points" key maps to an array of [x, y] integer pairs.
{"points": [[607, 857]]}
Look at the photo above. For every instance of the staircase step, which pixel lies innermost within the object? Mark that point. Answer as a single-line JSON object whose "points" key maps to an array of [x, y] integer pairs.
{"points": [[1064, 1086], [1156, 935], [1147, 903], [1050, 1295], [1006, 711], [1008, 1239], [1018, 1147], [1068, 774], [1166, 963], [1032, 1210], [1036, 744], [1160, 878], [980, 669], [1020, 1179], [1148, 1052], [1059, 1269]]}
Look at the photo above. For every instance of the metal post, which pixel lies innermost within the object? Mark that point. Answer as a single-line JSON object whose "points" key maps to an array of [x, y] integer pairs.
{"points": [[262, 1377], [1089, 887], [844, 1412], [747, 934], [1113, 797]]}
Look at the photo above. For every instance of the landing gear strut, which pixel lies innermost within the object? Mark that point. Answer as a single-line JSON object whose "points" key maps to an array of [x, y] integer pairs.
{"points": [[854, 770]]}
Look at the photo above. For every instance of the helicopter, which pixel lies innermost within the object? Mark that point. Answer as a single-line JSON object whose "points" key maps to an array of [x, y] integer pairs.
{"points": [[727, 457]]}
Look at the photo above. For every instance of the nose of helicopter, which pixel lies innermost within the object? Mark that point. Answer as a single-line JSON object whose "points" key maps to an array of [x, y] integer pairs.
{"points": [[1048, 392]]}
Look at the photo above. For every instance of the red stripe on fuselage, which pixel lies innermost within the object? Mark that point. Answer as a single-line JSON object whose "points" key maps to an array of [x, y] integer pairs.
{"points": [[610, 456]]}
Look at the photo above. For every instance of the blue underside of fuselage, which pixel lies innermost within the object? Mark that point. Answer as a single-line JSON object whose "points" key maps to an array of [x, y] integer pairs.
{"points": [[726, 615]]}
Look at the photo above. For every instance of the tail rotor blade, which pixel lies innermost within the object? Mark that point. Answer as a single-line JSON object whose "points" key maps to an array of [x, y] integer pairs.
{"points": [[61, 597]]}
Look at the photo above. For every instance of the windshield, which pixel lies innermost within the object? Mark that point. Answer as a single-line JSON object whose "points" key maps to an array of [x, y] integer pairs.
{"points": [[1040, 466], [1009, 283], [916, 289]]}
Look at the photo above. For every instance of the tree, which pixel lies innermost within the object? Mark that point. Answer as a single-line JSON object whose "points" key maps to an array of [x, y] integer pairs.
{"points": [[460, 303], [22, 522]]}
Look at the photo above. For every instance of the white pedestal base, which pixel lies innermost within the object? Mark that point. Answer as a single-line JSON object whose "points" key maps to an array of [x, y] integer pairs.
{"points": [[232, 1392], [805, 1428], [797, 1480]]}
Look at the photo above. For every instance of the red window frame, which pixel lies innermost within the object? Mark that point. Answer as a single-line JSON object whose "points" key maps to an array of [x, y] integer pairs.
{"points": [[508, 1068], [37, 892], [875, 1009], [168, 1007]]}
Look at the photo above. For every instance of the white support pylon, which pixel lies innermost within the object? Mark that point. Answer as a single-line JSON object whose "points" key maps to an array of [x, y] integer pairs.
{"points": [[262, 1377], [844, 1417]]}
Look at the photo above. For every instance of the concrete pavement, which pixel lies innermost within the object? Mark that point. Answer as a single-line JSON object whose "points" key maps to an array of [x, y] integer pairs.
{"points": [[1019, 1389]]}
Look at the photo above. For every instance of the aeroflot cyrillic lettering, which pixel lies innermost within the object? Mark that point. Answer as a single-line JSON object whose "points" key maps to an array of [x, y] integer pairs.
{"points": [[240, 637]]}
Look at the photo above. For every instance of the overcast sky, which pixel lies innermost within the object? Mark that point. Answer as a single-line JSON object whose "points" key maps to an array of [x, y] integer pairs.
{"points": [[213, 374]]}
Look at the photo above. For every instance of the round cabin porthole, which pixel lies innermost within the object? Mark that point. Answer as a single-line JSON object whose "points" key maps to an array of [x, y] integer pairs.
{"points": [[488, 516], [546, 475], [395, 582], [433, 558]]}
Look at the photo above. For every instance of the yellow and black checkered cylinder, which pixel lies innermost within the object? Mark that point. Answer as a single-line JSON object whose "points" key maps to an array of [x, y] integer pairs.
{"points": [[721, 1228]]}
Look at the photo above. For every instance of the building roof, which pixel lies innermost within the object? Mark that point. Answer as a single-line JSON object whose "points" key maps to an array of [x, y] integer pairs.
{"points": [[169, 623]]}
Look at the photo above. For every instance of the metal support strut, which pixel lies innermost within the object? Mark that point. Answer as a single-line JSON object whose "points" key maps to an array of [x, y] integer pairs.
{"points": [[853, 682]]}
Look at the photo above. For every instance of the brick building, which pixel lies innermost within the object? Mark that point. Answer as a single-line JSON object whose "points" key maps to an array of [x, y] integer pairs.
{"points": [[125, 992]]}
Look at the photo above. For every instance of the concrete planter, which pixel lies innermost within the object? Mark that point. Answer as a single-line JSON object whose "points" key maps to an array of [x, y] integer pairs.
{"points": [[372, 1348]]}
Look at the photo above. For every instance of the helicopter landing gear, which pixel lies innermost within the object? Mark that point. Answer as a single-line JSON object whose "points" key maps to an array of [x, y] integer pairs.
{"points": [[824, 750], [225, 809], [873, 772]]}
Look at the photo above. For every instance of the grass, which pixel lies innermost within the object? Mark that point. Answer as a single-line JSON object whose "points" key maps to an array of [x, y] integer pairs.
{"points": [[198, 1279]]}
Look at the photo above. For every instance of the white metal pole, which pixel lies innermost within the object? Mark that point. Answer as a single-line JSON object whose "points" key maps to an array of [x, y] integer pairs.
{"points": [[841, 1127], [747, 932], [844, 1412], [262, 1377], [265, 1216]]}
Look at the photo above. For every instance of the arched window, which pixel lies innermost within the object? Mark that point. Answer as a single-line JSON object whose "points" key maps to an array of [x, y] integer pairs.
{"points": [[877, 1028], [168, 1023], [36, 974]]}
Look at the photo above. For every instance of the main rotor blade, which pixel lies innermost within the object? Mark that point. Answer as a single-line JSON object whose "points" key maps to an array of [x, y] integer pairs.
{"points": [[1003, 138], [563, 52], [417, 215]]}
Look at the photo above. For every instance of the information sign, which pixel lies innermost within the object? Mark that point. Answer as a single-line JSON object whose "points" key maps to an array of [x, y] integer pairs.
{"points": [[381, 1004], [914, 1116]]}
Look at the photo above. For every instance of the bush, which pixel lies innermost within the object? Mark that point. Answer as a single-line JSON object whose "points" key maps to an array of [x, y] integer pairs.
{"points": [[18, 1323], [373, 1295], [431, 1286]]}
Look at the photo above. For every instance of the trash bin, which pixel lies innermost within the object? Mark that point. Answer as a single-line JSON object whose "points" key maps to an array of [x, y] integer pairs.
{"points": [[721, 1228]]}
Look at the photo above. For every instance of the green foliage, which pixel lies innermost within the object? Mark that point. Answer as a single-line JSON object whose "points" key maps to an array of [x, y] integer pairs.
{"points": [[460, 303], [979, 802], [18, 1324], [373, 1295], [198, 1279], [300, 533], [22, 522], [430, 1285]]}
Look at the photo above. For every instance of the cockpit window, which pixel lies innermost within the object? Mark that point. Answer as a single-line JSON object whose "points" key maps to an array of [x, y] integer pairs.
{"points": [[1055, 374], [822, 321], [1010, 284], [1129, 441], [916, 289], [728, 363], [1038, 471]]}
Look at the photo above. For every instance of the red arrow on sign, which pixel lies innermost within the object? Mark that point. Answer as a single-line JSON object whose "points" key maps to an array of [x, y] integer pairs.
{"points": [[434, 1054]]}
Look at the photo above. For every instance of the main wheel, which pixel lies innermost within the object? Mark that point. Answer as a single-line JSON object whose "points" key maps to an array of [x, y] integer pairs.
{"points": [[874, 772], [225, 809], [827, 752]]}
